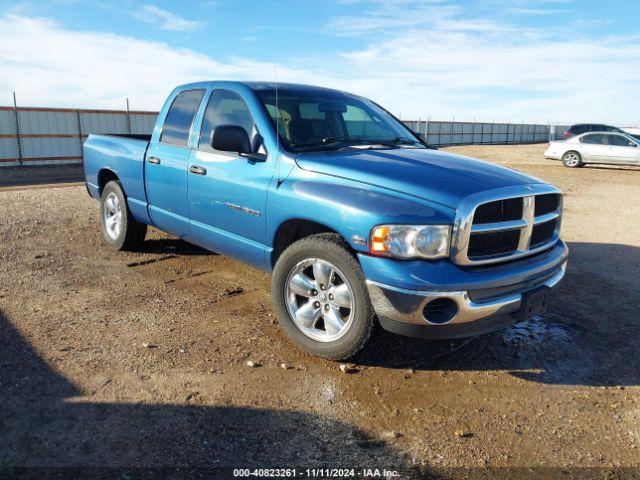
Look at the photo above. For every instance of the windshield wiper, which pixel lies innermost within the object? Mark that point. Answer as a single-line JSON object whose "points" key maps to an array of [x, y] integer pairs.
{"points": [[387, 142], [332, 143], [406, 141], [328, 143]]}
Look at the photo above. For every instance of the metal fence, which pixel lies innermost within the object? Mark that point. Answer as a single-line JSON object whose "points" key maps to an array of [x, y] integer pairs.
{"points": [[449, 133], [45, 136]]}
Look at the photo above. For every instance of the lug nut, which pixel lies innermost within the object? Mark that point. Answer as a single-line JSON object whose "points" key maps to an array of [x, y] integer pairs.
{"points": [[330, 296], [316, 304], [326, 308], [322, 287], [314, 292]]}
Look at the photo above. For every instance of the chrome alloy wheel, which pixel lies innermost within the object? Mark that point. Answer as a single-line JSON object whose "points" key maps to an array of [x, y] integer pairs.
{"points": [[112, 216], [319, 300], [571, 159]]}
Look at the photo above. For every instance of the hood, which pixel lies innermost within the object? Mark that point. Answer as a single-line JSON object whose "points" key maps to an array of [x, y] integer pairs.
{"points": [[433, 175]]}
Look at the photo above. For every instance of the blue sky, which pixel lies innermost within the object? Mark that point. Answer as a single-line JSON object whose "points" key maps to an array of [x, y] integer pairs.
{"points": [[519, 60]]}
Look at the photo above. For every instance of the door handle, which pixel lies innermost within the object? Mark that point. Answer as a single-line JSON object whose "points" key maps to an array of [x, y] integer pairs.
{"points": [[197, 170], [154, 160]]}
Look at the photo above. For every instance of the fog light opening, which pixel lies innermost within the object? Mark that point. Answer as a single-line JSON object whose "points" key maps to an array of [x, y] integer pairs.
{"points": [[440, 310]]}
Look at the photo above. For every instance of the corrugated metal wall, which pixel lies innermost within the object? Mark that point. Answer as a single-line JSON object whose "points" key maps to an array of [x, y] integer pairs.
{"points": [[440, 133], [43, 136]]}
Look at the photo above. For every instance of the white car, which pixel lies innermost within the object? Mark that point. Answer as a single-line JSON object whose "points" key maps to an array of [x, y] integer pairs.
{"points": [[596, 147]]}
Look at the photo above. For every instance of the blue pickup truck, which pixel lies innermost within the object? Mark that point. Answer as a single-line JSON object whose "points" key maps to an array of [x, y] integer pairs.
{"points": [[360, 222]]}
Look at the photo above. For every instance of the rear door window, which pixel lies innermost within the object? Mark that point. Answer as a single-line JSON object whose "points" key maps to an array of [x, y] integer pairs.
{"points": [[179, 119], [595, 139]]}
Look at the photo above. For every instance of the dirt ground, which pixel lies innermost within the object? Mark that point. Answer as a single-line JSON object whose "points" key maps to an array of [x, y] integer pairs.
{"points": [[117, 360]]}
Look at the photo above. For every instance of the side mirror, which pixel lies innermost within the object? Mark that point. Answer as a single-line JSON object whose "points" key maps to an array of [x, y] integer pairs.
{"points": [[230, 138], [233, 138]]}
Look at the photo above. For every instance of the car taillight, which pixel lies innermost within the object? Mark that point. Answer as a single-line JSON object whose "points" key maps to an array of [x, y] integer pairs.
{"points": [[565, 134]]}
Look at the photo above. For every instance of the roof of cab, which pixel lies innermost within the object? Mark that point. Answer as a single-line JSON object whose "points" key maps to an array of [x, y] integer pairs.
{"points": [[258, 86]]}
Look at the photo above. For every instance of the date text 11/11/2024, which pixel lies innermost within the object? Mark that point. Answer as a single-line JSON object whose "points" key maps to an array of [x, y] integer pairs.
{"points": [[316, 473]]}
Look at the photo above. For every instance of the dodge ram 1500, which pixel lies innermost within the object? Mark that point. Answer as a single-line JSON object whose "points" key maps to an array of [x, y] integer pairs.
{"points": [[359, 221]]}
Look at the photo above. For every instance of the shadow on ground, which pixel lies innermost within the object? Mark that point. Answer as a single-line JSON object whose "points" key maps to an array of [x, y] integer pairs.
{"points": [[598, 166], [591, 336], [169, 246], [41, 175], [41, 425]]}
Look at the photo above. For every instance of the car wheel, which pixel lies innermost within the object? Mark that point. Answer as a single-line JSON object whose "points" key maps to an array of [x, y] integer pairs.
{"points": [[572, 159], [321, 299], [119, 229]]}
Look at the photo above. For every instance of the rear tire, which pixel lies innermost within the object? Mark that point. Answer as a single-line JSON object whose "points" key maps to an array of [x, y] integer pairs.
{"points": [[119, 229], [572, 159], [320, 297]]}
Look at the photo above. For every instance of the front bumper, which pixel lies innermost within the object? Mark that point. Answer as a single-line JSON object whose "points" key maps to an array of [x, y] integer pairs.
{"points": [[478, 310]]}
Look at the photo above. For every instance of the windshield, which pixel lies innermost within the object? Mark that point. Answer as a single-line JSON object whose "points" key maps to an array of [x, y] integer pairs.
{"points": [[311, 120]]}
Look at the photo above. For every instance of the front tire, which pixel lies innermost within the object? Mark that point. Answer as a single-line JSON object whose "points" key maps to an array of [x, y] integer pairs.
{"points": [[119, 229], [320, 297], [572, 159]]}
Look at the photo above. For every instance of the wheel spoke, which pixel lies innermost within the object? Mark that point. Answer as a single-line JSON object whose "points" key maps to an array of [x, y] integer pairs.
{"points": [[302, 285], [322, 272], [112, 222], [308, 314], [333, 322], [109, 204], [341, 296]]}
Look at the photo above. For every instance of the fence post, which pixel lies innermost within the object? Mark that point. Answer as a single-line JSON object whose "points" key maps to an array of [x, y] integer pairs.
{"points": [[452, 120], [493, 129], [426, 129], [128, 117], [18, 138], [80, 135]]}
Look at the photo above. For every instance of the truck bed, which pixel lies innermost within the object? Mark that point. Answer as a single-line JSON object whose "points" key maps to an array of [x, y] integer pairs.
{"points": [[122, 155], [133, 136]]}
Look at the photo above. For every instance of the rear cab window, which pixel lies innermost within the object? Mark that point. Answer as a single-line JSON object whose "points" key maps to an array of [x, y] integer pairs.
{"points": [[179, 120]]}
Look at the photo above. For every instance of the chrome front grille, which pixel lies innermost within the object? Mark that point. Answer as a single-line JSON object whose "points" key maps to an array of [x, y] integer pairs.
{"points": [[506, 223], [498, 211]]}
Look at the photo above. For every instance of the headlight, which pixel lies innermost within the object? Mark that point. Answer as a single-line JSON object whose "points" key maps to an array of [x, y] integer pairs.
{"points": [[411, 241]]}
